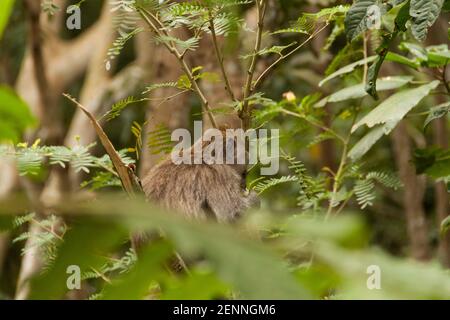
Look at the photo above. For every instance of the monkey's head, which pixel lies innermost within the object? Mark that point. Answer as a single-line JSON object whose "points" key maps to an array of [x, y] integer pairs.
{"points": [[209, 183]]}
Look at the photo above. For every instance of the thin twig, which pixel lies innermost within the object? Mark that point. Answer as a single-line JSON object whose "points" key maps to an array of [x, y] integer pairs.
{"points": [[47, 229], [341, 170], [337, 179], [50, 119], [220, 58], [316, 124], [127, 178], [444, 78], [266, 72], [344, 204], [244, 114], [366, 66], [101, 275]]}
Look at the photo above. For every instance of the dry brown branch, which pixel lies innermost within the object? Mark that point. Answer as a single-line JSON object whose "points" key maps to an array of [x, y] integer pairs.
{"points": [[125, 175]]}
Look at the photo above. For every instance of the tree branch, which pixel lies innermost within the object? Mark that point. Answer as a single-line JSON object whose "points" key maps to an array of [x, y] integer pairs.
{"points": [[266, 72], [51, 129], [148, 17]]}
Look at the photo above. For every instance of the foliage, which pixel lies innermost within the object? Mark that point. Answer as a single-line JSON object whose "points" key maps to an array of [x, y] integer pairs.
{"points": [[15, 116], [31, 161], [46, 240], [159, 140], [339, 250], [422, 15], [5, 11], [304, 244], [393, 109]]}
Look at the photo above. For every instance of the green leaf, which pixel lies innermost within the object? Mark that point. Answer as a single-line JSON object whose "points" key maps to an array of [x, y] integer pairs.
{"points": [[395, 17], [432, 56], [437, 112], [265, 185], [403, 17], [433, 161], [317, 278], [394, 108], [347, 69], [184, 83], [425, 158], [15, 116], [446, 6], [438, 56], [278, 50], [387, 179], [431, 282], [355, 20], [394, 57], [358, 91], [308, 22], [190, 44], [6, 7], [6, 223], [440, 169], [364, 192], [367, 142], [415, 50], [348, 231], [424, 14], [198, 285]]}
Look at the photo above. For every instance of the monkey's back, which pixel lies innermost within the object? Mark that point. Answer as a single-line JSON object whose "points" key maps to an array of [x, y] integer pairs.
{"points": [[197, 191]]}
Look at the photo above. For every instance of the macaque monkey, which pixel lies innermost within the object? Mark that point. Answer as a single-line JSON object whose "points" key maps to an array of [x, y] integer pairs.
{"points": [[204, 190]]}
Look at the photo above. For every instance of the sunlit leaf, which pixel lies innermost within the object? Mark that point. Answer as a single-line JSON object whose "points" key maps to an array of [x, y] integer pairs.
{"points": [[394, 108], [369, 140], [358, 91]]}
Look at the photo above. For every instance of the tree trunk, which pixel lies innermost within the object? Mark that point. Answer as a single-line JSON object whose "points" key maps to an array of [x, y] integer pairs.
{"points": [[442, 199], [414, 188], [441, 139]]}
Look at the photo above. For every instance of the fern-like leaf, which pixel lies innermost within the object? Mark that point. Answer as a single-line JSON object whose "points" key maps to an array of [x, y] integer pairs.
{"points": [[265, 185], [364, 191]]}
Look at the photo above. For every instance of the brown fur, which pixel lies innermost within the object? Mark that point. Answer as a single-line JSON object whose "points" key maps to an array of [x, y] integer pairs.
{"points": [[200, 191]]}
